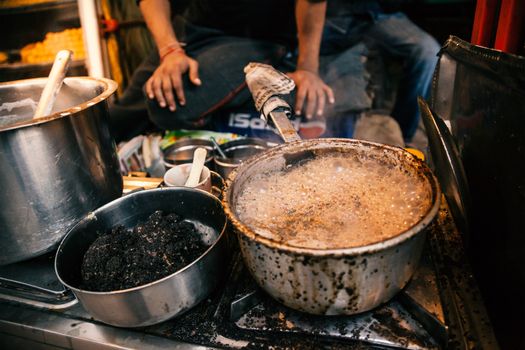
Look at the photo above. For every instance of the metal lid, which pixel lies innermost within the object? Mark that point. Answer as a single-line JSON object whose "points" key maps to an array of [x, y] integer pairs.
{"points": [[448, 166]]}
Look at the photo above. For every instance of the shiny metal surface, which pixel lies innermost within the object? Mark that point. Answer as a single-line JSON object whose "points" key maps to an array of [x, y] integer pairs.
{"points": [[236, 152], [449, 168], [483, 99], [285, 128], [367, 327], [442, 95], [324, 281], [160, 300], [182, 152], [421, 299], [55, 169], [54, 330], [35, 295]]}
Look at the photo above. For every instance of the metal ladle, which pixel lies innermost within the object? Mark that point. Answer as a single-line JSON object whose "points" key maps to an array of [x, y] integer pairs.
{"points": [[218, 147]]}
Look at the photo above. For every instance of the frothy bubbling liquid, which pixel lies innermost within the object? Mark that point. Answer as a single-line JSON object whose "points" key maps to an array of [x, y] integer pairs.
{"points": [[335, 201]]}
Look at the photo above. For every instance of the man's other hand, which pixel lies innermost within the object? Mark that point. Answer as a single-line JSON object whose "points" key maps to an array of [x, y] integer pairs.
{"points": [[312, 93]]}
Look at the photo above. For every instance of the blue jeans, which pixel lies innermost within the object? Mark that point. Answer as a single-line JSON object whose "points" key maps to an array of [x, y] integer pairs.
{"points": [[396, 36]]}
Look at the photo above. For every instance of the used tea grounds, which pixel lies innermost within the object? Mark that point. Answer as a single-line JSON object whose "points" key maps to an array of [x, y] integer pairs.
{"points": [[125, 258]]}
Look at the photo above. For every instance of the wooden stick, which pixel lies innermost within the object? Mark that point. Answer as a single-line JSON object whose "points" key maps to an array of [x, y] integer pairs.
{"points": [[199, 158], [53, 84]]}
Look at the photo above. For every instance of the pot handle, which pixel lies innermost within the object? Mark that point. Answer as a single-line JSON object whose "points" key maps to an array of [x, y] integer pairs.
{"points": [[285, 128], [267, 85]]}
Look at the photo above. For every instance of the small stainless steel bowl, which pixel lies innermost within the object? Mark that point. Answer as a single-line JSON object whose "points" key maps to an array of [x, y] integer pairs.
{"points": [[182, 152], [162, 299], [236, 152]]}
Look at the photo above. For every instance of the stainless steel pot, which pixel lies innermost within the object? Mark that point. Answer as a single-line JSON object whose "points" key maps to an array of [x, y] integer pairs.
{"points": [[324, 281], [55, 169], [182, 152], [236, 152], [160, 300]]}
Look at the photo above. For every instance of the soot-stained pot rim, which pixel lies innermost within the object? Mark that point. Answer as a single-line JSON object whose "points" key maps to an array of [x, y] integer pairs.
{"points": [[248, 233], [92, 215], [110, 87]]}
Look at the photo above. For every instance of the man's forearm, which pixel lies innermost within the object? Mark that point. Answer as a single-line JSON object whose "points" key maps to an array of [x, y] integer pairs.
{"points": [[310, 21], [157, 14]]}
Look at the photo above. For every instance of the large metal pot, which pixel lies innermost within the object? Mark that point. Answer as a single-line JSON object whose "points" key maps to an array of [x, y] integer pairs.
{"points": [[55, 169], [162, 299], [330, 281]]}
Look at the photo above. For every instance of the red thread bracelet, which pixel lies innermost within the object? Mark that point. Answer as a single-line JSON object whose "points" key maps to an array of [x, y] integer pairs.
{"points": [[171, 50]]}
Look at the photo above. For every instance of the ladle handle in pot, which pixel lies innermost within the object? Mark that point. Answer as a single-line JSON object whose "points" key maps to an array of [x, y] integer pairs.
{"points": [[53, 84], [218, 147]]}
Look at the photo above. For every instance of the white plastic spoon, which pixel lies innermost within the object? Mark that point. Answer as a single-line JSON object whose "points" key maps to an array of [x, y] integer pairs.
{"points": [[199, 157], [53, 84]]}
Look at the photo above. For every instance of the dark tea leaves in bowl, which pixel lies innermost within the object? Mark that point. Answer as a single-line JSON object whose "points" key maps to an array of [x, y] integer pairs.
{"points": [[126, 258]]}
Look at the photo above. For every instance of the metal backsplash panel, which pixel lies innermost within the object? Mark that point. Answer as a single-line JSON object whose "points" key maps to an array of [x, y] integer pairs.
{"points": [[481, 93]]}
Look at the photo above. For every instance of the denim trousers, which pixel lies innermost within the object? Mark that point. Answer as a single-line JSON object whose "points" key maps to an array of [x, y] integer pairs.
{"points": [[221, 61], [395, 36]]}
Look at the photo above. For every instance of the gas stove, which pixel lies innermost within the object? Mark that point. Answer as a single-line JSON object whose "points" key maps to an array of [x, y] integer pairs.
{"points": [[441, 308]]}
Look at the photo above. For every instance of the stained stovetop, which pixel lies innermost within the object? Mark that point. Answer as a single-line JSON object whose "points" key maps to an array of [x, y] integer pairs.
{"points": [[440, 308]]}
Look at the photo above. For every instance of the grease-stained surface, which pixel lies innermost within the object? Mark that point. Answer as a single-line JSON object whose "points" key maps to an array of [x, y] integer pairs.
{"points": [[390, 325], [209, 324]]}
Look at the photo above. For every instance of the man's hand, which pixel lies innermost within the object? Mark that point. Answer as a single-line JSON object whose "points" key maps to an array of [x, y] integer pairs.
{"points": [[310, 87], [311, 90], [168, 78]]}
